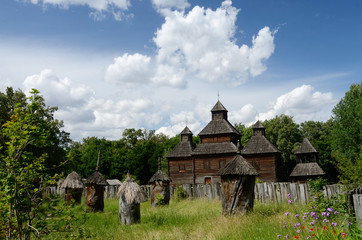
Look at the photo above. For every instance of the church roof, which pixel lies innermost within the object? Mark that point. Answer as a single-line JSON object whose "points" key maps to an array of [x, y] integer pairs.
{"points": [[182, 149], [218, 107], [186, 131], [259, 144], [215, 148], [258, 125], [307, 169], [306, 147], [219, 126], [238, 166]]}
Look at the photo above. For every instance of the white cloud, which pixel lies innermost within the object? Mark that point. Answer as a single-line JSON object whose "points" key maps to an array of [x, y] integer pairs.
{"points": [[245, 115], [202, 43], [164, 6], [99, 7], [129, 69], [58, 91], [302, 102]]}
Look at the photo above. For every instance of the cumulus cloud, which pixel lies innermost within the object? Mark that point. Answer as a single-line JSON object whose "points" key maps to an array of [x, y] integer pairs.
{"points": [[302, 102], [202, 42], [245, 115], [58, 91], [164, 6], [99, 7], [129, 69], [199, 44]]}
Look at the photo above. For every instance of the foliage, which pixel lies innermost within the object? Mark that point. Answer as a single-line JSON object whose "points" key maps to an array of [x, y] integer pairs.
{"points": [[245, 132], [346, 136], [23, 172], [160, 200], [180, 193], [317, 185], [284, 133]]}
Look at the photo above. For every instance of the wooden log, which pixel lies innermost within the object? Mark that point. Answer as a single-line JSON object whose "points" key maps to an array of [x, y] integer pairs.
{"points": [[129, 213]]}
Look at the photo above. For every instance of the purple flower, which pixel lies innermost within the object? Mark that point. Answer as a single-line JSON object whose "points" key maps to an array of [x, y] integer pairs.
{"points": [[311, 223], [324, 214], [296, 225], [330, 209], [350, 223], [312, 207], [308, 237], [289, 195], [297, 215], [312, 214], [336, 212], [334, 224], [298, 231], [304, 217], [325, 220], [290, 201], [328, 213], [306, 213], [315, 199], [287, 214], [287, 236], [279, 236]]}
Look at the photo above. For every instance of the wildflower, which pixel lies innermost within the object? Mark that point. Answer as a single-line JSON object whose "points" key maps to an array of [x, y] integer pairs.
{"points": [[334, 224], [324, 214], [296, 237], [306, 213], [315, 199], [303, 227], [312, 207], [287, 236], [343, 234], [330, 209], [287, 214], [350, 223], [289, 195], [325, 220], [313, 214], [324, 228], [308, 237], [290, 201], [298, 231], [336, 212], [328, 214], [279, 236], [297, 215], [304, 217], [334, 232]]}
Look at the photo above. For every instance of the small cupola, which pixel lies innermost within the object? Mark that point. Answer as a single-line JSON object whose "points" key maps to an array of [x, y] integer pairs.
{"points": [[219, 112], [258, 129]]}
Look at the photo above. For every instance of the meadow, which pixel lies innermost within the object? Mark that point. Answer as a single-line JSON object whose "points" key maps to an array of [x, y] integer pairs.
{"points": [[183, 219]]}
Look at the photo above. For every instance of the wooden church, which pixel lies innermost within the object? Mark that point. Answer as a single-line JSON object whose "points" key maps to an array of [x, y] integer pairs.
{"points": [[263, 155], [218, 140]]}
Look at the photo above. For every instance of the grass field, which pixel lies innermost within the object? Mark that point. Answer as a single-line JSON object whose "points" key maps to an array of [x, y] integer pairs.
{"points": [[186, 219]]}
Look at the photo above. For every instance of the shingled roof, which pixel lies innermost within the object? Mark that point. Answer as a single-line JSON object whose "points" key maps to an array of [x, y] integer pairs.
{"points": [[218, 107], [215, 148], [186, 131], [259, 144], [258, 125], [306, 147], [220, 126], [238, 166], [307, 169], [183, 148]]}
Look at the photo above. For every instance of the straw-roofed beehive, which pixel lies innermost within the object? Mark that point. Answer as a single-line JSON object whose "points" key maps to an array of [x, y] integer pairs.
{"points": [[238, 181], [160, 187], [95, 191], [130, 196], [73, 186]]}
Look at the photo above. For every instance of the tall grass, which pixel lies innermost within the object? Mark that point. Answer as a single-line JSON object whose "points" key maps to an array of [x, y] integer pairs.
{"points": [[186, 219]]}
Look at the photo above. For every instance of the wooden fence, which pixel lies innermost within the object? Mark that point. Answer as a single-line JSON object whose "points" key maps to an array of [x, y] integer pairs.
{"points": [[110, 192]]}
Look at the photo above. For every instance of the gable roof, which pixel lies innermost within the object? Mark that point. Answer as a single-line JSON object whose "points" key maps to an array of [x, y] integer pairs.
{"points": [[306, 147], [259, 144], [219, 126], [218, 107], [114, 182], [238, 166], [160, 176], [307, 169], [215, 148], [182, 149]]}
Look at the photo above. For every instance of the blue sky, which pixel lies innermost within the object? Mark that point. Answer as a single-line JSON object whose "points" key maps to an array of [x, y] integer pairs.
{"points": [[155, 64]]}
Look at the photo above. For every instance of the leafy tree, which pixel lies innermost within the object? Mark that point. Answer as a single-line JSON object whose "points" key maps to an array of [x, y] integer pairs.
{"points": [[23, 172], [284, 133], [346, 135], [245, 132]]}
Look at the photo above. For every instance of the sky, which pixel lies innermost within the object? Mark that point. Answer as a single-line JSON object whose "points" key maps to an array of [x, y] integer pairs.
{"points": [[160, 65]]}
